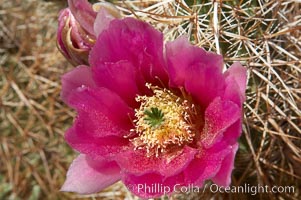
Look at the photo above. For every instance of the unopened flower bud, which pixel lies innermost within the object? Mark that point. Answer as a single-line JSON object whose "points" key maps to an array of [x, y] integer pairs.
{"points": [[73, 41], [79, 26]]}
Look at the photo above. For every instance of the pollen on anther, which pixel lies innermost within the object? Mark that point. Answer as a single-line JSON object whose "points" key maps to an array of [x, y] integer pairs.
{"points": [[175, 128]]}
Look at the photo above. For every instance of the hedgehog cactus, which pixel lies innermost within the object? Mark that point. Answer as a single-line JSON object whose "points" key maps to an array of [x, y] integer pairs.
{"points": [[264, 36]]}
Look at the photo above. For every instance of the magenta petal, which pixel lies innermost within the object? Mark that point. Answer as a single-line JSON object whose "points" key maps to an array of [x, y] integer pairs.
{"points": [[134, 41], [107, 146], [103, 121], [223, 177], [239, 73], [119, 77], [219, 115], [233, 132], [207, 164], [235, 84], [182, 56], [232, 93], [135, 162], [78, 77], [97, 125], [83, 13], [102, 21], [204, 83], [103, 101], [84, 179]]}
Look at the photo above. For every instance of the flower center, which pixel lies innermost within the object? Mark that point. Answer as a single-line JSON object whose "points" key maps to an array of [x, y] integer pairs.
{"points": [[163, 120]]}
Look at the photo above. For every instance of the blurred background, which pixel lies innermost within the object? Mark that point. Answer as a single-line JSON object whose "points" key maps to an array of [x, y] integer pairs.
{"points": [[263, 35]]}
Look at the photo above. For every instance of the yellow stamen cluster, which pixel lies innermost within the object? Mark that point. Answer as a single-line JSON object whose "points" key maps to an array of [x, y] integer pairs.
{"points": [[175, 127]]}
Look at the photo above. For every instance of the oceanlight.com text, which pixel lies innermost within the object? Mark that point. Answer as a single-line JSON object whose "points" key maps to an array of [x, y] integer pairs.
{"points": [[251, 189]]}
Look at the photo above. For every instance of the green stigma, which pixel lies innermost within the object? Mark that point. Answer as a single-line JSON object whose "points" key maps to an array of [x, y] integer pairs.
{"points": [[154, 117]]}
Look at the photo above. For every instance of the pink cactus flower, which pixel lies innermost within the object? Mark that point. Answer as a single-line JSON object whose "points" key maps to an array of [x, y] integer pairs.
{"points": [[79, 26], [152, 115]]}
